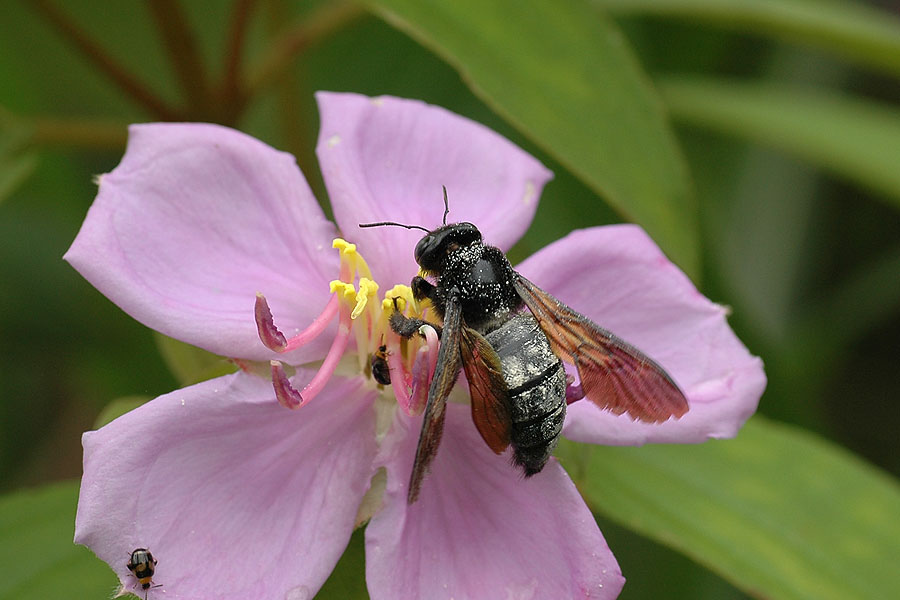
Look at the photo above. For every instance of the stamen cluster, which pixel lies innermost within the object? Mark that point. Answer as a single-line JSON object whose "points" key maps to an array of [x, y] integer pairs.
{"points": [[354, 302]]}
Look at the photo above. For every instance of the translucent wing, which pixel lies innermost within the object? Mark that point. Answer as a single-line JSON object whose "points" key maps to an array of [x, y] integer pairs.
{"points": [[445, 374], [614, 374], [490, 396]]}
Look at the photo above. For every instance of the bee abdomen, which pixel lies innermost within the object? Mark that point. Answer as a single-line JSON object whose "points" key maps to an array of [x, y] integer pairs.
{"points": [[535, 438], [537, 385]]}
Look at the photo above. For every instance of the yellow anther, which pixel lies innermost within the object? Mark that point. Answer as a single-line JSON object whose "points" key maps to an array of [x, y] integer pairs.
{"points": [[346, 291], [368, 286], [352, 258], [368, 289], [404, 296], [343, 246], [387, 305]]}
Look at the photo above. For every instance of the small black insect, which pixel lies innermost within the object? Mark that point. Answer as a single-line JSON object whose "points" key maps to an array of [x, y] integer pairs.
{"points": [[513, 358], [381, 373], [142, 565]]}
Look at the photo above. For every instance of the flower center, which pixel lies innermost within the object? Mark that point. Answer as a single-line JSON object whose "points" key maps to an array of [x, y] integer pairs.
{"points": [[354, 302]]}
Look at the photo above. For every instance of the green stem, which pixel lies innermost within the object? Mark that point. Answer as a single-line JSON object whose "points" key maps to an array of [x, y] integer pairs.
{"points": [[130, 85]]}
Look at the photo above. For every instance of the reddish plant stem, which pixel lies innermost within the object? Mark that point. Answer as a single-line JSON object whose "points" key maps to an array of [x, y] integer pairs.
{"points": [[184, 56], [329, 18], [92, 51], [231, 95]]}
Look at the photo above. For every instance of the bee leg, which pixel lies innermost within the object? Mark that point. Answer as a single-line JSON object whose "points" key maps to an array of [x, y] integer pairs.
{"points": [[422, 288], [406, 327]]}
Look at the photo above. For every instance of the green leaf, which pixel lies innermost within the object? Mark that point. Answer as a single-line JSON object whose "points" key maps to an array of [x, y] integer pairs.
{"points": [[190, 364], [564, 76], [348, 580], [780, 512], [16, 162], [851, 29], [14, 170], [117, 408], [38, 559], [855, 138], [856, 306]]}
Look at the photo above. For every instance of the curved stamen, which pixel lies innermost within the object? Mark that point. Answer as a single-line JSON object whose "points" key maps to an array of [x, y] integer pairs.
{"points": [[421, 380], [352, 259], [574, 393], [398, 373], [338, 346], [287, 394], [431, 341], [272, 337], [423, 370], [365, 307], [355, 301], [269, 334]]}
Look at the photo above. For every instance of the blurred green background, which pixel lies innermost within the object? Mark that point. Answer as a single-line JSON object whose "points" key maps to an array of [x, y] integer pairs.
{"points": [[763, 153]]}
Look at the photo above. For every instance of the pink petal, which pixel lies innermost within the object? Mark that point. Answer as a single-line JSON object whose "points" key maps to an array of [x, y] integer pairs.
{"points": [[235, 496], [385, 159], [192, 223], [479, 530], [619, 278]]}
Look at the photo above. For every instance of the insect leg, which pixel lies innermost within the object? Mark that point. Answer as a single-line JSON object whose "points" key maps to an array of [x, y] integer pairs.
{"points": [[407, 327], [422, 288]]}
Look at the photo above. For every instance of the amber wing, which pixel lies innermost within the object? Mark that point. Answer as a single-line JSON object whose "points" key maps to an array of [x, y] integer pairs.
{"points": [[614, 374], [445, 374], [490, 396]]}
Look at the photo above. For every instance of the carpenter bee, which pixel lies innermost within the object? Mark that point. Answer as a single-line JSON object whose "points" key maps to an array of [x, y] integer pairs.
{"points": [[142, 565], [513, 358]]}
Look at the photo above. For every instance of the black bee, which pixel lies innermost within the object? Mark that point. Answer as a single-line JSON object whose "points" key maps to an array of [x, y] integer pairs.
{"points": [[142, 565], [513, 358], [381, 373]]}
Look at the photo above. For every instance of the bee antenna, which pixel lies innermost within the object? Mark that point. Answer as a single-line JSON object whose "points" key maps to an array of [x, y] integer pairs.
{"points": [[446, 205], [393, 224]]}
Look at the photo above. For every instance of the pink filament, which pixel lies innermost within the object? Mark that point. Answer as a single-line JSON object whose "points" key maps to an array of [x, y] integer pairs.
{"points": [[315, 328], [431, 339], [275, 340], [338, 346], [422, 372], [398, 375]]}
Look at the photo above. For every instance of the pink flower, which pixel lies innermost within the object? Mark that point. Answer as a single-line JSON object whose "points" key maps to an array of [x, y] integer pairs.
{"points": [[239, 497]]}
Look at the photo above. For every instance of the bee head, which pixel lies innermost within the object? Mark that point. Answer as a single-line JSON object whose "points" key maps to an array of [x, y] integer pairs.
{"points": [[438, 244]]}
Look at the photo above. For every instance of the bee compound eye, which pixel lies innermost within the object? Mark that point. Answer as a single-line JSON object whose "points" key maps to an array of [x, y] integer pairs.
{"points": [[425, 245]]}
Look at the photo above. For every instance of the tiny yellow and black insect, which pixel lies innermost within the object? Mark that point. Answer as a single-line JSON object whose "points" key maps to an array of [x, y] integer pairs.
{"points": [[381, 373], [142, 565]]}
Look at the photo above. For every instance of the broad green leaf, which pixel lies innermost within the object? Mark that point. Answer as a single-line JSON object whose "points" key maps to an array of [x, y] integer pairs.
{"points": [[14, 170], [856, 306], [779, 512], [190, 364], [565, 77], [856, 138], [348, 580], [852, 29], [38, 559], [16, 162], [117, 408]]}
